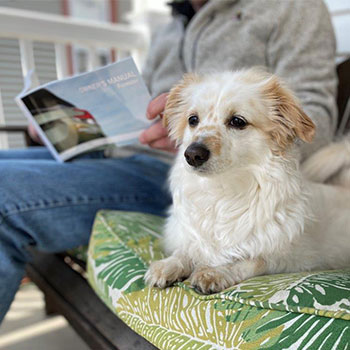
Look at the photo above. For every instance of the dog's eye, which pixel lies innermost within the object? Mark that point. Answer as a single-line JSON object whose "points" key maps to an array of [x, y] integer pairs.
{"points": [[237, 122], [193, 120]]}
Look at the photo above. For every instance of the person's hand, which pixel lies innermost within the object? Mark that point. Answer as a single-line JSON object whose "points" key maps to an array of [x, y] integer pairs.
{"points": [[156, 136], [34, 135]]}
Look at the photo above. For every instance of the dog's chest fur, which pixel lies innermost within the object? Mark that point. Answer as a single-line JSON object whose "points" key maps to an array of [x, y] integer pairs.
{"points": [[219, 219]]}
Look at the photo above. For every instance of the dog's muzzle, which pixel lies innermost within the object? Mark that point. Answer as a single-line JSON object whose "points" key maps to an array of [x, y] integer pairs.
{"points": [[196, 154]]}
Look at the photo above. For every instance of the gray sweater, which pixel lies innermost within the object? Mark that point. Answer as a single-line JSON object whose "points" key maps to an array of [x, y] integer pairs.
{"points": [[292, 38]]}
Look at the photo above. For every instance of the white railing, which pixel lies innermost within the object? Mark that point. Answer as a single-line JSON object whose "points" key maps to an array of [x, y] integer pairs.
{"points": [[29, 26], [341, 12], [3, 136]]}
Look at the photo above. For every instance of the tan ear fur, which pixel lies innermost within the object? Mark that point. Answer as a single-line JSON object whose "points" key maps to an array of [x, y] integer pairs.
{"points": [[174, 118], [289, 120]]}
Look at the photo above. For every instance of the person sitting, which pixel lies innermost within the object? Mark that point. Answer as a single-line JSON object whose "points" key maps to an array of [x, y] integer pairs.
{"points": [[51, 206]]}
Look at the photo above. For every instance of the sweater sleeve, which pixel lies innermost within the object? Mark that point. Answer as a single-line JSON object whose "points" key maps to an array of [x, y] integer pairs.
{"points": [[149, 65], [301, 50]]}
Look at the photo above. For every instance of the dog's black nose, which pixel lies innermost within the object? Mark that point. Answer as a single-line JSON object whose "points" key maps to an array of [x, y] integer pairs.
{"points": [[196, 154]]}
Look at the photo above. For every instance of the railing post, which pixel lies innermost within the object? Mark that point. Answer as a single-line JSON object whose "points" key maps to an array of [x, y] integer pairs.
{"points": [[93, 62], [27, 61], [3, 136], [139, 57], [121, 54], [61, 61]]}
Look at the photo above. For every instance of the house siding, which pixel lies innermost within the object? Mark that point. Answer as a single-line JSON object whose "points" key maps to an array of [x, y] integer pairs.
{"points": [[11, 81]]}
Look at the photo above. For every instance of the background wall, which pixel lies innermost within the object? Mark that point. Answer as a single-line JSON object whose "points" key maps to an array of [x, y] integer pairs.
{"points": [[11, 81], [340, 10]]}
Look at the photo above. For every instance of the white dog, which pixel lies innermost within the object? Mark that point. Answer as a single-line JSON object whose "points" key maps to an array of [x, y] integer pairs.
{"points": [[241, 207]]}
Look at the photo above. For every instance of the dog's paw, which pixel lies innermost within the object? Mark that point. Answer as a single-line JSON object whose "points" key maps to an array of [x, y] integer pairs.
{"points": [[211, 280], [164, 273]]}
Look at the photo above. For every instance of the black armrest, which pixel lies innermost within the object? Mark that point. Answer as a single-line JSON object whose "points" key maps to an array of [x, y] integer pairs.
{"points": [[343, 96], [13, 128], [19, 129]]}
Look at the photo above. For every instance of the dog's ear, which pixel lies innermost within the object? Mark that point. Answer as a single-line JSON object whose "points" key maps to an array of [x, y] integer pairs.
{"points": [[289, 120], [174, 118]]}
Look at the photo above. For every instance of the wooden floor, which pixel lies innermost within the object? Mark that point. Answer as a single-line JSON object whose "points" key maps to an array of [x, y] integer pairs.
{"points": [[27, 327]]}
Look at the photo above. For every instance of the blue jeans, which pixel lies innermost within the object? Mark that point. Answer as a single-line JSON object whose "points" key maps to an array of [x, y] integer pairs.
{"points": [[52, 206]]}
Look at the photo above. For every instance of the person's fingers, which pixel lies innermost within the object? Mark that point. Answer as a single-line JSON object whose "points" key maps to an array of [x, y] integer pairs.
{"points": [[156, 136], [156, 106], [34, 135], [164, 144], [153, 133]]}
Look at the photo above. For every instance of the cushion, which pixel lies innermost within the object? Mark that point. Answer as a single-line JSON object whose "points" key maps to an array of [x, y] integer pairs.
{"points": [[309, 310]]}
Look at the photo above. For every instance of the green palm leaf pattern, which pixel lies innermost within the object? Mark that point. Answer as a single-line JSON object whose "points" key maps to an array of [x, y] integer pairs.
{"points": [[303, 331], [185, 323], [117, 259], [298, 292], [287, 311]]}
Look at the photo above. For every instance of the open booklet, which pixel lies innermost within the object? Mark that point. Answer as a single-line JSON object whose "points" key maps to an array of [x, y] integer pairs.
{"points": [[88, 111]]}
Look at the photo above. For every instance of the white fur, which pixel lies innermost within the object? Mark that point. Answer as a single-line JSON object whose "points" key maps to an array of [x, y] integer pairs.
{"points": [[331, 164], [247, 210]]}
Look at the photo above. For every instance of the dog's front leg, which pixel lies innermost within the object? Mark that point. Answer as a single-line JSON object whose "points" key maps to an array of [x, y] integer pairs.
{"points": [[163, 273], [213, 279]]}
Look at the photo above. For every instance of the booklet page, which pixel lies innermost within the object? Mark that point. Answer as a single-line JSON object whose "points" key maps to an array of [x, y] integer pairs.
{"points": [[85, 112]]}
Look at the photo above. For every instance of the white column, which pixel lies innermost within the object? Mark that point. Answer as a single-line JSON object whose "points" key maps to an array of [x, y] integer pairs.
{"points": [[61, 61], [3, 136], [93, 62], [27, 61]]}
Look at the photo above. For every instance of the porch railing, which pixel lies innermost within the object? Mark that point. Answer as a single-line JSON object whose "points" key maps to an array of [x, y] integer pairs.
{"points": [[29, 26]]}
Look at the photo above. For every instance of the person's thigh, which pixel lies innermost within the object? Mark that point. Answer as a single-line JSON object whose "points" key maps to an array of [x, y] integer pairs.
{"points": [[51, 205], [41, 153], [26, 153], [55, 204]]}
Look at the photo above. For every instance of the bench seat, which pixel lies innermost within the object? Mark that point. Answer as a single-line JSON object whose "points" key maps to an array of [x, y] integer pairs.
{"points": [[309, 310]]}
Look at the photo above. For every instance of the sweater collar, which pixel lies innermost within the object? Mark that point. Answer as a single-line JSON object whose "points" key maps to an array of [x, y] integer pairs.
{"points": [[184, 7]]}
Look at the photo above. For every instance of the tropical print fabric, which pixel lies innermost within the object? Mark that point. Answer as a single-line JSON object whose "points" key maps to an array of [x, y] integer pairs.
{"points": [[288, 311]]}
